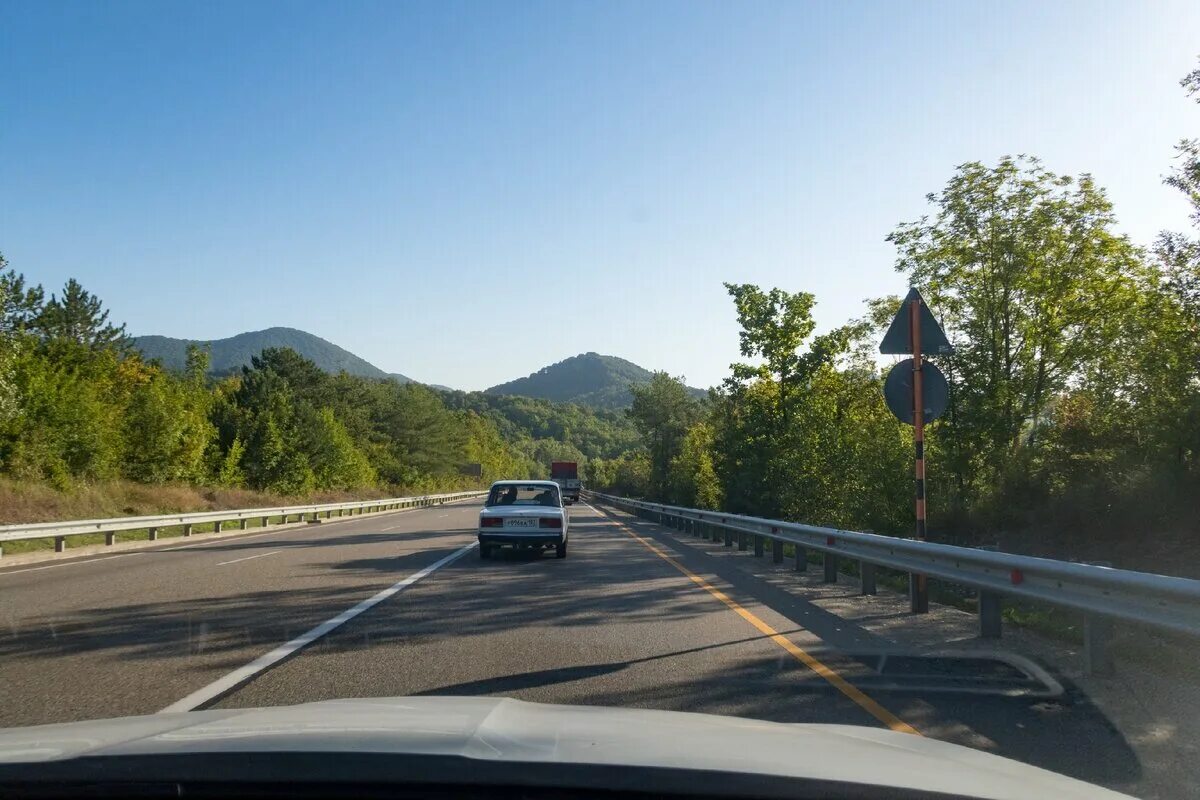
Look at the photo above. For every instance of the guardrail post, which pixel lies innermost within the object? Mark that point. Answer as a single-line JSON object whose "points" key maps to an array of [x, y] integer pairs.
{"points": [[60, 544], [217, 526], [187, 529], [1097, 656], [830, 568], [989, 615], [758, 545], [243, 523], [741, 540], [110, 538], [266, 521], [801, 559], [777, 551], [152, 534], [867, 574], [728, 538]]}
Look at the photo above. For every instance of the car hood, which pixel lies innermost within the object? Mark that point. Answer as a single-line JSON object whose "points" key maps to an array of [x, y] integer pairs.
{"points": [[498, 729]]}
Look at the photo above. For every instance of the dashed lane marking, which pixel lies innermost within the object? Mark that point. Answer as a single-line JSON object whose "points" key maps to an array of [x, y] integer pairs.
{"points": [[248, 558], [229, 682]]}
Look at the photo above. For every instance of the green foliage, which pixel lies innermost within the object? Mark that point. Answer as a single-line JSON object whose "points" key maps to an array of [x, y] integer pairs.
{"points": [[229, 471], [1075, 384], [166, 430], [627, 475], [1032, 286], [66, 424], [589, 379], [336, 462], [76, 404], [693, 479], [79, 317], [270, 463], [19, 306], [663, 411], [545, 431]]}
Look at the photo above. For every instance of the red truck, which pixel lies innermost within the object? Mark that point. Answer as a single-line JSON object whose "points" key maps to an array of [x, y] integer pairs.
{"points": [[566, 475]]}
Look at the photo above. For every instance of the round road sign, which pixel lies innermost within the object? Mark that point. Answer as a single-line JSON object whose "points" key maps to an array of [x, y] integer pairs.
{"points": [[897, 391]]}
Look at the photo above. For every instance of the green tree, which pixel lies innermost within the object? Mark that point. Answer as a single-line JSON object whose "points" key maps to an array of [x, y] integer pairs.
{"points": [[336, 462], [693, 479], [166, 430], [1179, 253], [230, 472], [79, 317], [662, 410], [19, 306], [272, 461], [1032, 285], [67, 424]]}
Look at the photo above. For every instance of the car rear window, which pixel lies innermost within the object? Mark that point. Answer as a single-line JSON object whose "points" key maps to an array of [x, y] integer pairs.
{"points": [[518, 495]]}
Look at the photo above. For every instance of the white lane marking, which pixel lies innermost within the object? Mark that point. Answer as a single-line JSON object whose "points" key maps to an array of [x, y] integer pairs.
{"points": [[226, 539], [69, 564], [248, 558], [267, 660]]}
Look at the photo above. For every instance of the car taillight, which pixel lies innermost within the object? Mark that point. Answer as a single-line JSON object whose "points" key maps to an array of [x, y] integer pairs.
{"points": [[549, 522], [491, 522]]}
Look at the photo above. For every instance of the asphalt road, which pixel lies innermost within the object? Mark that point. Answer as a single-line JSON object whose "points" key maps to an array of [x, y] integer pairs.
{"points": [[636, 615]]}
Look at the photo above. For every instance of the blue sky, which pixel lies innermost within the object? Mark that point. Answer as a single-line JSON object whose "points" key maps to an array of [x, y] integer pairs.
{"points": [[426, 183]]}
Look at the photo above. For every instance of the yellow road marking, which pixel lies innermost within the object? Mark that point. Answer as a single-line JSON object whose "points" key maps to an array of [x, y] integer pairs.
{"points": [[807, 659]]}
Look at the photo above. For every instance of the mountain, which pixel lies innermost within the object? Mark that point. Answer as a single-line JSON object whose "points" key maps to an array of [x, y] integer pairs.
{"points": [[229, 355], [589, 379]]}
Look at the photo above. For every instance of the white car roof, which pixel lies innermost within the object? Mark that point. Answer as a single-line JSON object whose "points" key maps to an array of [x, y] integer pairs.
{"points": [[526, 483]]}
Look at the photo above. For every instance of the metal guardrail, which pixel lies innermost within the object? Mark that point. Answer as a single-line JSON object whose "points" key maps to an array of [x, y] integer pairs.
{"points": [[1100, 593], [60, 531]]}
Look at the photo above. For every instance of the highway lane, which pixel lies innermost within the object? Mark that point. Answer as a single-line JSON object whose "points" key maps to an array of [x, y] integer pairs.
{"points": [[132, 634], [637, 615], [612, 624], [616, 623]]}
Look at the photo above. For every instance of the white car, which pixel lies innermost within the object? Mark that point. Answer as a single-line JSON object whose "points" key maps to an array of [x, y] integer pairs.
{"points": [[523, 514]]}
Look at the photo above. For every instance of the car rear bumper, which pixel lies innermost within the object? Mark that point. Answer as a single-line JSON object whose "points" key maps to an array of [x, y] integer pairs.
{"points": [[531, 538]]}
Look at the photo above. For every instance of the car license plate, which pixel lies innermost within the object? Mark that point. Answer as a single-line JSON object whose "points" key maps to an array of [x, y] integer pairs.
{"points": [[520, 523]]}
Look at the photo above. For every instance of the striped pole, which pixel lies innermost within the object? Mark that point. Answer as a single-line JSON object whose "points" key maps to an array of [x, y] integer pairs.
{"points": [[918, 585]]}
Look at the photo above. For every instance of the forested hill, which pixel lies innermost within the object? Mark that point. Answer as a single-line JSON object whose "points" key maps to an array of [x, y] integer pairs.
{"points": [[546, 431], [588, 379], [230, 355]]}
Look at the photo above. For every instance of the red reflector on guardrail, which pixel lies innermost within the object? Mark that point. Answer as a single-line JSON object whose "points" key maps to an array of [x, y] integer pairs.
{"points": [[1016, 576], [829, 540]]}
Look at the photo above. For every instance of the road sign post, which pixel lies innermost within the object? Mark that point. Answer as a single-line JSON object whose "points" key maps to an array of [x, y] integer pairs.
{"points": [[918, 585], [914, 331]]}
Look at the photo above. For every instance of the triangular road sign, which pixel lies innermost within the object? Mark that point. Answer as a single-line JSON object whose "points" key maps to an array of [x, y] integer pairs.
{"points": [[898, 339]]}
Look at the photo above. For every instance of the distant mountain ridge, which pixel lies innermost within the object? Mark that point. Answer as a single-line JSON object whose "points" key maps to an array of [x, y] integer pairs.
{"points": [[588, 379], [230, 355]]}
